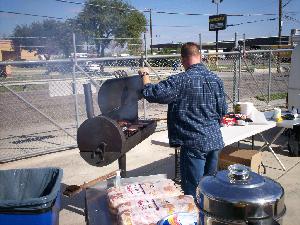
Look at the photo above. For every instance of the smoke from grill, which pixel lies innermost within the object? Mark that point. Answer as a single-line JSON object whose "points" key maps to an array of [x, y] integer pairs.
{"points": [[118, 98]]}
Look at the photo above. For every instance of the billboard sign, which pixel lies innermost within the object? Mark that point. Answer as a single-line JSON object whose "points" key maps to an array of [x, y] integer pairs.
{"points": [[217, 22]]}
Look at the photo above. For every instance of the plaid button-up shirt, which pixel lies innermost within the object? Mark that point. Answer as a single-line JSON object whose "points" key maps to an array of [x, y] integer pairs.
{"points": [[196, 104]]}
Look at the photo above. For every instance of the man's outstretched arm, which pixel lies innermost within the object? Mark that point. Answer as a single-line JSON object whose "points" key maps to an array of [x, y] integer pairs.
{"points": [[163, 92]]}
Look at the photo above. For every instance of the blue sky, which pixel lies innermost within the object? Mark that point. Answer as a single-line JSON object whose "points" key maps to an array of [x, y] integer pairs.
{"points": [[162, 33]]}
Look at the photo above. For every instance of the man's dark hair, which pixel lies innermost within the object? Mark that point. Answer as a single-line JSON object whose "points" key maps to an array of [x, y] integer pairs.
{"points": [[190, 49]]}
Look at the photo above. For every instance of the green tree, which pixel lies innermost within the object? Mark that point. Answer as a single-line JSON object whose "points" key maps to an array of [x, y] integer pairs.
{"points": [[54, 37], [104, 19]]}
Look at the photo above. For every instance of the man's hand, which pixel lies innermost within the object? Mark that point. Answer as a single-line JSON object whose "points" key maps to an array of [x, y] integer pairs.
{"points": [[144, 73]]}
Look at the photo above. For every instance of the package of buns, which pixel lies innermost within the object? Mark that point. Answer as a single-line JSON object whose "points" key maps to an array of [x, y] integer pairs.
{"points": [[145, 203], [141, 190], [150, 211]]}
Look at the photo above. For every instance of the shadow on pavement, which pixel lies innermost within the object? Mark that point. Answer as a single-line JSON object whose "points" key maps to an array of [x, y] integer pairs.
{"points": [[163, 166]]}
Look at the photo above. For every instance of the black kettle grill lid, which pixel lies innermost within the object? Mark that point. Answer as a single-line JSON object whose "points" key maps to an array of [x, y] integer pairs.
{"points": [[118, 98]]}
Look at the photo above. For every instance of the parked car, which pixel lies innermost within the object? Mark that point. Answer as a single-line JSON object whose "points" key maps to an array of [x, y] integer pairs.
{"points": [[93, 67]]}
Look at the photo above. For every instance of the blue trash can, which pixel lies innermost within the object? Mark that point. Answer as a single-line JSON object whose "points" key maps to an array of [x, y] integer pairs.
{"points": [[30, 196]]}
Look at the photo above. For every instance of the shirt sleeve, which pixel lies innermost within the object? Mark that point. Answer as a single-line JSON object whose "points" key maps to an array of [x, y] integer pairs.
{"points": [[221, 101], [164, 92]]}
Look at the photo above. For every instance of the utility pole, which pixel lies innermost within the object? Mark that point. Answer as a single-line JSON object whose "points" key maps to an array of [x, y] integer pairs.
{"points": [[217, 31], [150, 11], [280, 22], [279, 34]]}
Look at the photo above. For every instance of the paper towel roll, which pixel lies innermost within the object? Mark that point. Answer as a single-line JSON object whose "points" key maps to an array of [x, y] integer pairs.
{"points": [[246, 108]]}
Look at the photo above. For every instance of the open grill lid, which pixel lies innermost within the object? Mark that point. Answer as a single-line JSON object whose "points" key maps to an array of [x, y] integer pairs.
{"points": [[118, 98]]}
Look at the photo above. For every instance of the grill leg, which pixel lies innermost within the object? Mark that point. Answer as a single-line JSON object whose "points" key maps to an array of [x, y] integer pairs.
{"points": [[122, 165]]}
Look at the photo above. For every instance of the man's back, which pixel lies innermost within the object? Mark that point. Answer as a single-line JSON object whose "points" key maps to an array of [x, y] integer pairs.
{"points": [[196, 105], [195, 114]]}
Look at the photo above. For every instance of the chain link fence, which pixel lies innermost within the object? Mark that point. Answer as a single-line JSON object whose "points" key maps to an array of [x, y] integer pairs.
{"points": [[43, 103], [32, 120]]}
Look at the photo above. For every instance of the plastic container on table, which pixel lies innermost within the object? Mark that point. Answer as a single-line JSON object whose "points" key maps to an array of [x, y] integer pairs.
{"points": [[30, 196], [180, 219]]}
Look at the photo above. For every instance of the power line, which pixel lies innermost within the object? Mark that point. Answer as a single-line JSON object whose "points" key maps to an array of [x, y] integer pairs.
{"points": [[34, 46], [175, 26], [25, 37], [249, 22], [116, 38], [101, 6], [291, 19], [288, 2], [160, 12], [34, 15], [292, 13], [60, 18]]}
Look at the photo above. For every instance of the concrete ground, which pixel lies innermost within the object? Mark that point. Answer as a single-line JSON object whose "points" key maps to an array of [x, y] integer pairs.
{"points": [[149, 158]]}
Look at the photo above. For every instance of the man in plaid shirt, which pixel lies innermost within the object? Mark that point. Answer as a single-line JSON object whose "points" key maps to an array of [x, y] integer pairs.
{"points": [[196, 104]]}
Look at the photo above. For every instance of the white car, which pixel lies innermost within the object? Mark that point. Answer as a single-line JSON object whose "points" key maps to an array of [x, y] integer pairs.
{"points": [[93, 67]]}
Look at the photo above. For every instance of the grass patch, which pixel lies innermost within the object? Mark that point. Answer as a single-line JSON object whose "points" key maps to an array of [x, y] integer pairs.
{"points": [[273, 96]]}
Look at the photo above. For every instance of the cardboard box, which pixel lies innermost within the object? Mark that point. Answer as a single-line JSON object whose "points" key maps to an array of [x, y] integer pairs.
{"points": [[232, 155]]}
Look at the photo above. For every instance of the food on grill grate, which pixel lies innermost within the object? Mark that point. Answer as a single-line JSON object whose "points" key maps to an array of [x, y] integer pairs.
{"points": [[124, 123], [148, 190], [150, 211], [129, 128]]}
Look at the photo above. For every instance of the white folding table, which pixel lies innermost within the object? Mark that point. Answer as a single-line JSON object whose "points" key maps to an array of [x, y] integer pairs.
{"points": [[231, 135]]}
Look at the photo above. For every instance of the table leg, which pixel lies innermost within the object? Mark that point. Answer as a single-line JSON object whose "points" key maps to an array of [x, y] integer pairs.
{"points": [[86, 215], [268, 145], [177, 166], [176, 161], [278, 135]]}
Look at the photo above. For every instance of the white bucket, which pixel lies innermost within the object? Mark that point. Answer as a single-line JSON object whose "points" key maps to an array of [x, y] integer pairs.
{"points": [[246, 108]]}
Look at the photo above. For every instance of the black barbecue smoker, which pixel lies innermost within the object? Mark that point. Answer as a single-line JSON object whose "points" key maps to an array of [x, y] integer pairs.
{"points": [[108, 137]]}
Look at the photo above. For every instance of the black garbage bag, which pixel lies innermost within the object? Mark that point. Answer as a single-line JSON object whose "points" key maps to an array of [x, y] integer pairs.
{"points": [[29, 189]]}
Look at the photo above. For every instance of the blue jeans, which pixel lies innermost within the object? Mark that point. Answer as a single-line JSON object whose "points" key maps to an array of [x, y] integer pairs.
{"points": [[194, 165]]}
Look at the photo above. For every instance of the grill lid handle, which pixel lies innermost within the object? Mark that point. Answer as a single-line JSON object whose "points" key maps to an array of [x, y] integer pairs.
{"points": [[238, 172]]}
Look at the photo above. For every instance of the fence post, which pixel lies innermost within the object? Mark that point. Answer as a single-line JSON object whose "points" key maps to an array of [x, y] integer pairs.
{"points": [[244, 44], [74, 82], [200, 42], [239, 78], [270, 77], [146, 56], [234, 90], [235, 85]]}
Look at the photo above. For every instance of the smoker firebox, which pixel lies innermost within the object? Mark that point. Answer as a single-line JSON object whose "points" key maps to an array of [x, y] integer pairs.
{"points": [[107, 137]]}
